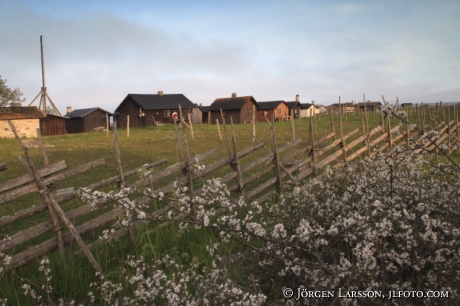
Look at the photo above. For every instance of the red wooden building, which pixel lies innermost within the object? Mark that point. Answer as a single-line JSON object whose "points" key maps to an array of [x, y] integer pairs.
{"points": [[239, 108], [267, 109]]}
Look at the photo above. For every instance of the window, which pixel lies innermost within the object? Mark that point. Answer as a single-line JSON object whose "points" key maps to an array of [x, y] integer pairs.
{"points": [[249, 111], [167, 113]]}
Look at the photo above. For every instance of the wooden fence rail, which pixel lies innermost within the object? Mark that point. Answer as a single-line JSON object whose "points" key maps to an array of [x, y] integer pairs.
{"points": [[252, 178]]}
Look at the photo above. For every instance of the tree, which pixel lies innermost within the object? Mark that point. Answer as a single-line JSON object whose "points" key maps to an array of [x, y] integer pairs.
{"points": [[8, 95]]}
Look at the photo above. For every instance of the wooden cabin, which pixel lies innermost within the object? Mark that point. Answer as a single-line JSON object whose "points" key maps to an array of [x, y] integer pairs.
{"points": [[295, 106], [86, 119], [277, 108], [205, 115], [369, 106], [347, 107], [406, 105], [26, 120], [53, 125], [308, 110], [239, 108], [150, 110]]}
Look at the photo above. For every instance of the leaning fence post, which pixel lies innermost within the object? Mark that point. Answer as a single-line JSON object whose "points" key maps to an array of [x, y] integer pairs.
{"points": [[254, 122], [292, 124], [218, 129], [236, 163], [53, 204], [42, 147], [312, 148], [275, 154], [342, 141], [332, 122], [225, 131], [117, 155], [191, 125], [187, 165]]}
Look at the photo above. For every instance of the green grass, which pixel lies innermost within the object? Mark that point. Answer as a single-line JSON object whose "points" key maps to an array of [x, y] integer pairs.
{"points": [[143, 146]]}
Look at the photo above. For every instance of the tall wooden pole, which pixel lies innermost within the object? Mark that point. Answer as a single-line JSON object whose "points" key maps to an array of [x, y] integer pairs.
{"points": [[43, 92]]}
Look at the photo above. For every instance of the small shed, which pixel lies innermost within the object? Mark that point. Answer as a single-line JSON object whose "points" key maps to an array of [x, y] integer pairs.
{"points": [[239, 108], [53, 125], [86, 119], [369, 106], [294, 105], [266, 109], [150, 109], [26, 120], [406, 105], [308, 109], [346, 107], [204, 112]]}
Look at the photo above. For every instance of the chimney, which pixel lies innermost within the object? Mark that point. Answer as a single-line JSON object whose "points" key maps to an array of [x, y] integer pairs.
{"points": [[234, 95], [69, 109], [297, 98], [160, 92], [313, 102]]}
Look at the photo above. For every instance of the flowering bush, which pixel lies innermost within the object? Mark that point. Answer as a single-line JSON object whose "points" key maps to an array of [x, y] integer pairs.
{"points": [[390, 223]]}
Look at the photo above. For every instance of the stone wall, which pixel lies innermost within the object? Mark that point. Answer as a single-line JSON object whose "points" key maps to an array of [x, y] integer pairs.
{"points": [[25, 128]]}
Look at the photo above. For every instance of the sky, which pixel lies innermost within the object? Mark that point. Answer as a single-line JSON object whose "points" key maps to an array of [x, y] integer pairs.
{"points": [[97, 52]]}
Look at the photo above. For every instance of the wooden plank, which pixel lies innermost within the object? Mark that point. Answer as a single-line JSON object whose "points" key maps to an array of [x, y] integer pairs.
{"points": [[27, 178], [41, 228], [5, 220], [50, 245], [116, 179], [170, 170], [10, 195], [360, 150]]}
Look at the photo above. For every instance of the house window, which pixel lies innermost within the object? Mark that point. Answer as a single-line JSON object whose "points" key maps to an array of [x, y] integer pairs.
{"points": [[279, 111], [167, 113], [249, 111]]}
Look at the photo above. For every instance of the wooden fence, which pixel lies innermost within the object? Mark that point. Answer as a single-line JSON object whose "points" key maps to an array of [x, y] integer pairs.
{"points": [[254, 178]]}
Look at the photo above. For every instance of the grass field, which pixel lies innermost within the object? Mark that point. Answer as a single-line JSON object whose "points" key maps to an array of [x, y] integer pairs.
{"points": [[143, 146]]}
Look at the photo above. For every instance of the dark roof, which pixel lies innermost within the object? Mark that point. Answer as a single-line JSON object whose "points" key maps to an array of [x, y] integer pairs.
{"points": [[155, 102], [13, 113], [269, 105], [80, 113], [204, 108], [230, 103], [292, 104], [306, 105], [369, 103], [347, 104]]}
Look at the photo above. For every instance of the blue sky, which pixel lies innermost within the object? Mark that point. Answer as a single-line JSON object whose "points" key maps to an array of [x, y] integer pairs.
{"points": [[96, 52]]}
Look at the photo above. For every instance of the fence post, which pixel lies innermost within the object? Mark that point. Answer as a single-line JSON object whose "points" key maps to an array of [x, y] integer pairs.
{"points": [[178, 139], [218, 129], [53, 204], [187, 165], [236, 164], [275, 154], [191, 125], [117, 155], [225, 131], [254, 122], [42, 147], [332, 122], [342, 141], [312, 143]]}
